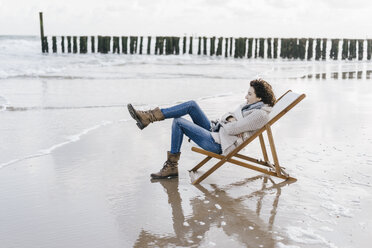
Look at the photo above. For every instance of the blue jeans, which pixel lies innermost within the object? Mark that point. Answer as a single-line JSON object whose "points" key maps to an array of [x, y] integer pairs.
{"points": [[198, 130]]}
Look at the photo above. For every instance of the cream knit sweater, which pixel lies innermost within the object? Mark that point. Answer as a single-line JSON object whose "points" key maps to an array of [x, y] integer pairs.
{"points": [[249, 123]]}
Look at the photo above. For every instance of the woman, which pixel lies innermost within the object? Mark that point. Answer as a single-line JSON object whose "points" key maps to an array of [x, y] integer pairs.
{"points": [[219, 137]]}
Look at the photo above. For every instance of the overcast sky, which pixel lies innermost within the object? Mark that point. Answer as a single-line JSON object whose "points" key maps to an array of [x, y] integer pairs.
{"points": [[249, 18]]}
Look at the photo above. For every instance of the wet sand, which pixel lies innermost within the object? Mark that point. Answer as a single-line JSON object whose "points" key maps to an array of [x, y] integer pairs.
{"points": [[96, 191]]}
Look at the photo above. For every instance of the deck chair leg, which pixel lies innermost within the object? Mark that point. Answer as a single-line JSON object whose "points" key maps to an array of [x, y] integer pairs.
{"points": [[263, 148], [200, 164], [273, 150], [210, 171], [275, 206], [259, 202]]}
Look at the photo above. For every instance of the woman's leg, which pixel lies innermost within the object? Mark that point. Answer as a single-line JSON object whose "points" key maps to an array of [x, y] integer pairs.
{"points": [[191, 108], [196, 133]]}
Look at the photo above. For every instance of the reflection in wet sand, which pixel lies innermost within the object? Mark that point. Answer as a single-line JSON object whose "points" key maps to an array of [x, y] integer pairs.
{"points": [[343, 75], [217, 209]]}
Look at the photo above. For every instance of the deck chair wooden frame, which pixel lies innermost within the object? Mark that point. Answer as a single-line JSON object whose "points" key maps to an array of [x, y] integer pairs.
{"points": [[263, 166]]}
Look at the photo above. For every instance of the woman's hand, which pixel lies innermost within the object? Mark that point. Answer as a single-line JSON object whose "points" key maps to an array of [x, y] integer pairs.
{"points": [[231, 119]]}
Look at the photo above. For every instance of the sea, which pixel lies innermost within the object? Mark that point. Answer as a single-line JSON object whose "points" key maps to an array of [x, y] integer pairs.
{"points": [[46, 93], [62, 112]]}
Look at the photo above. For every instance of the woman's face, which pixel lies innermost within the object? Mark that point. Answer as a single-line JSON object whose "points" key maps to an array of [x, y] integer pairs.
{"points": [[251, 96]]}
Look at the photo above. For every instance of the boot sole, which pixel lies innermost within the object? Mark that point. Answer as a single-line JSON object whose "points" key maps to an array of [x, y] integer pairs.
{"points": [[164, 177], [132, 113]]}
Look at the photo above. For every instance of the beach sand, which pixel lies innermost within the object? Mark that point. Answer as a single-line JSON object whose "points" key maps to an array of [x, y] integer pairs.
{"points": [[91, 186]]}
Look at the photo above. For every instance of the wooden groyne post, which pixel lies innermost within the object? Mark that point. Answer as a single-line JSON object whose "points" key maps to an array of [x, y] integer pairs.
{"points": [[157, 45], [99, 43], [269, 44], [334, 49], [282, 48], [261, 50], [310, 47], [168, 45], [176, 45], [352, 49], [74, 47], [199, 46], [133, 44], [212, 49], [190, 49], [141, 45], [345, 49], [219, 46], [184, 44], [226, 46], [161, 45], [318, 49], [115, 45], [369, 49], [256, 47], [63, 44], [293, 48], [42, 32], [205, 45], [236, 48], [69, 44], [360, 49], [250, 46], [324, 49], [54, 44], [275, 48], [92, 44], [83, 44], [302, 48], [149, 45], [124, 44]]}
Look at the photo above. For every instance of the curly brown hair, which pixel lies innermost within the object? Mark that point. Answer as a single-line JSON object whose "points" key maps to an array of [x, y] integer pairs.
{"points": [[264, 91]]}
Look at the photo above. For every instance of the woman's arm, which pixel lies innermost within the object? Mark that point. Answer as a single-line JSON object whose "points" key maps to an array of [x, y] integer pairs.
{"points": [[231, 119], [226, 116], [251, 122]]}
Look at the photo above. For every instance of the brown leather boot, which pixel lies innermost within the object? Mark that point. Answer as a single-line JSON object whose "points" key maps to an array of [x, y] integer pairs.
{"points": [[144, 118], [170, 167]]}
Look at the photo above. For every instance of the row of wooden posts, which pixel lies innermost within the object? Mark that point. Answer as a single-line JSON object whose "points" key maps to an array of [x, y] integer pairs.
{"points": [[289, 48]]}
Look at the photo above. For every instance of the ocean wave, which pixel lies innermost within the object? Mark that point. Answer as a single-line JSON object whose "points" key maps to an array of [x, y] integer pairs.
{"points": [[35, 108], [3, 103], [108, 76], [6, 107], [27, 69], [216, 96], [21, 58], [78, 136], [69, 140], [41, 76]]}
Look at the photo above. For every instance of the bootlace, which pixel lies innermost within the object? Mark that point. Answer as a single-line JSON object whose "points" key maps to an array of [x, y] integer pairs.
{"points": [[166, 165], [152, 117]]}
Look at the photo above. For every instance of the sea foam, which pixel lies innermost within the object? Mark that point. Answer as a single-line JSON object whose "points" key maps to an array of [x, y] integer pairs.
{"points": [[69, 140]]}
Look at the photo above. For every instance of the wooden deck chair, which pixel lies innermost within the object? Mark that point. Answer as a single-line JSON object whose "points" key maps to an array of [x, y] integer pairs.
{"points": [[286, 102]]}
